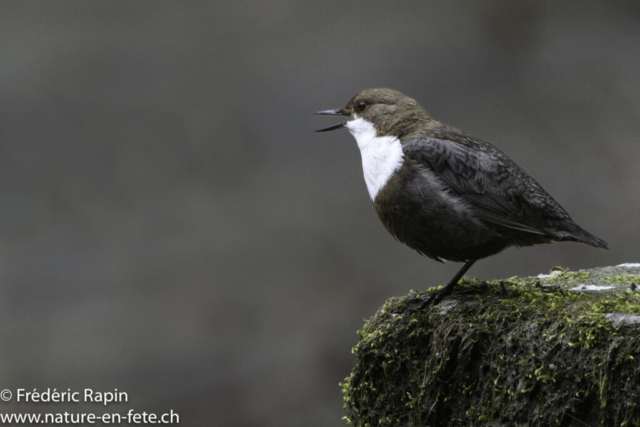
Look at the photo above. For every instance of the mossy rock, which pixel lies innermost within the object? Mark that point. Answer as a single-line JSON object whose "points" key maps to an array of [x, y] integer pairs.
{"points": [[561, 349]]}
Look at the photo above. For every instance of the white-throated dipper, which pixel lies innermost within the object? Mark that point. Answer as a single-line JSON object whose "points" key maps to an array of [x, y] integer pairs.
{"points": [[444, 193]]}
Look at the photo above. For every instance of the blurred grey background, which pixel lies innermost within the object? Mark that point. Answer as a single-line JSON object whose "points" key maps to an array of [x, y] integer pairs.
{"points": [[171, 226]]}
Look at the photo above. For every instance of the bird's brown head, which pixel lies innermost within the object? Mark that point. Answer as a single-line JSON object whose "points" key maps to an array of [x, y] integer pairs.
{"points": [[391, 112]]}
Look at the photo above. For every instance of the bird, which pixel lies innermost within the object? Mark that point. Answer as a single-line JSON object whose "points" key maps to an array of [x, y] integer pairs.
{"points": [[444, 193]]}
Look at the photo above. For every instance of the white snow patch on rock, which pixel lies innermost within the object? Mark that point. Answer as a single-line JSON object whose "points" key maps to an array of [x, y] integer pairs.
{"points": [[623, 319], [552, 274], [583, 287]]}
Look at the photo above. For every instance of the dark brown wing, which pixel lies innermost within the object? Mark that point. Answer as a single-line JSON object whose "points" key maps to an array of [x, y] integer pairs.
{"points": [[497, 189]]}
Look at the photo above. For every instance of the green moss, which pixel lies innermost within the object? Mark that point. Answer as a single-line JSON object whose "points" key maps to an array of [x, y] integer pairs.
{"points": [[626, 278], [505, 352], [568, 277]]}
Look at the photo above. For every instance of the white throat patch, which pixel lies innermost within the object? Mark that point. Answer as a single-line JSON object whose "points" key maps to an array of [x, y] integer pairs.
{"points": [[381, 155]]}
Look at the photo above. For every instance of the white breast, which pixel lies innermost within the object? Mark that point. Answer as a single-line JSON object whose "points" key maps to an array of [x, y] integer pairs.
{"points": [[381, 155]]}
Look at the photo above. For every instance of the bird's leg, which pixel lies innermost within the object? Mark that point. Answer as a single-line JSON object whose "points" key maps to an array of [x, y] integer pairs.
{"points": [[436, 297]]}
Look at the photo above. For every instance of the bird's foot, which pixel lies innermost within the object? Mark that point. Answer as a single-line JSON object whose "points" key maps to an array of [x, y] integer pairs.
{"points": [[435, 298]]}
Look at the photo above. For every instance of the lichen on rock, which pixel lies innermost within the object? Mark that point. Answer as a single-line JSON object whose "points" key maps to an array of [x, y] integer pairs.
{"points": [[518, 352]]}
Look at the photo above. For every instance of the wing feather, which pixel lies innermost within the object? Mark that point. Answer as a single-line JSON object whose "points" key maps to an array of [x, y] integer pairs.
{"points": [[499, 191]]}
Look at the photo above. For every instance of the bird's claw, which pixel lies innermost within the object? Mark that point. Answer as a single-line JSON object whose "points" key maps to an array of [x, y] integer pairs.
{"points": [[434, 299]]}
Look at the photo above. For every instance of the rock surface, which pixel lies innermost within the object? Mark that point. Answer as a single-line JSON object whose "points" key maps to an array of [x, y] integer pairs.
{"points": [[559, 349]]}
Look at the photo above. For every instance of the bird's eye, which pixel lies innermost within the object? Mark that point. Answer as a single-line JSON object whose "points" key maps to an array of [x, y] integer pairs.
{"points": [[361, 106]]}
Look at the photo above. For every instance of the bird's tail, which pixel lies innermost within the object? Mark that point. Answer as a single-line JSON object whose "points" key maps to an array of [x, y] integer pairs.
{"points": [[581, 235]]}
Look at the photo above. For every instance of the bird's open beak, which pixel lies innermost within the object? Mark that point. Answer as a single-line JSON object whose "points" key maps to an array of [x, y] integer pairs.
{"points": [[330, 113]]}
